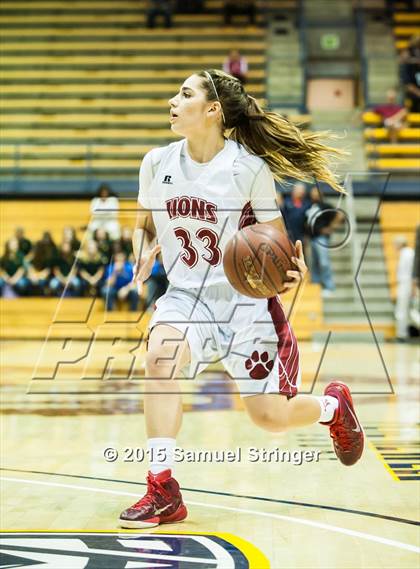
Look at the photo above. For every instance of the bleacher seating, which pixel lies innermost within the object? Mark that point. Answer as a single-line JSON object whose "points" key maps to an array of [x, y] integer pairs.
{"points": [[402, 165], [382, 134], [370, 118], [85, 85], [402, 157], [406, 25], [31, 318], [37, 216]]}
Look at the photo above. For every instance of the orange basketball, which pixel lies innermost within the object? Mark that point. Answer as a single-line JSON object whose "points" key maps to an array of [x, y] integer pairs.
{"points": [[256, 261]]}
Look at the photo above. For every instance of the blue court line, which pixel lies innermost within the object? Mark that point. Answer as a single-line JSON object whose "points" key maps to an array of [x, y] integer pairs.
{"points": [[229, 494]]}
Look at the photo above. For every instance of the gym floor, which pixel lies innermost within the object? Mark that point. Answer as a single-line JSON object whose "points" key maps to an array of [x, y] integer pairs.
{"points": [[273, 510]]}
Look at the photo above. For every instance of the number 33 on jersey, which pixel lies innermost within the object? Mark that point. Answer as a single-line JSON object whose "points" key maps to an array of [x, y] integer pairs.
{"points": [[194, 219]]}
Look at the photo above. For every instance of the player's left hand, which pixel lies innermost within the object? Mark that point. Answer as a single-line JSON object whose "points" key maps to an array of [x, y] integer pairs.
{"points": [[297, 276]]}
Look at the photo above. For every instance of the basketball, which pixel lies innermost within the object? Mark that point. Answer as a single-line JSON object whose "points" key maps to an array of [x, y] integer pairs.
{"points": [[256, 261]]}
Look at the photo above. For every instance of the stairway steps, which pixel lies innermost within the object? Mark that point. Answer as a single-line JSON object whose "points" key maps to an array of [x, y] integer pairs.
{"points": [[361, 318], [363, 280], [350, 294], [336, 308]]}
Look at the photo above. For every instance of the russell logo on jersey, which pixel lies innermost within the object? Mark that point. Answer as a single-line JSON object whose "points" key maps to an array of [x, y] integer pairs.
{"points": [[167, 180]]}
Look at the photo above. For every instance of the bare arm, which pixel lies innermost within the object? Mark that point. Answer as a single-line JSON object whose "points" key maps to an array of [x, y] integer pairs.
{"points": [[58, 274], [298, 275], [144, 232], [144, 247], [4, 276], [18, 274], [97, 276], [278, 224], [85, 275], [400, 115], [411, 88]]}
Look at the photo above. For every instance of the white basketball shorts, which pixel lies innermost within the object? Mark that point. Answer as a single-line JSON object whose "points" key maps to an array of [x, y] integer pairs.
{"points": [[252, 338]]}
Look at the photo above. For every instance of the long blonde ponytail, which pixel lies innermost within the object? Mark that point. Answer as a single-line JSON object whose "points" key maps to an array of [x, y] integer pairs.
{"points": [[289, 151]]}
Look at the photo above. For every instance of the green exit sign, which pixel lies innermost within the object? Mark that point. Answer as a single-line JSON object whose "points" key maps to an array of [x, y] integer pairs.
{"points": [[330, 41]]}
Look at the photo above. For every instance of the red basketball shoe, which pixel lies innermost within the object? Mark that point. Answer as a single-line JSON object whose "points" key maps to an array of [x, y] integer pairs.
{"points": [[162, 504], [345, 429]]}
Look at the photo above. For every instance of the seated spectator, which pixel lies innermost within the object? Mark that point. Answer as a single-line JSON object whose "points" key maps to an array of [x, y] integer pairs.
{"points": [[410, 73], [322, 220], [69, 236], [25, 245], [119, 283], [235, 64], [156, 284], [65, 281], [104, 245], [294, 208], [42, 259], [159, 8], [104, 209], [126, 243], [393, 115], [91, 269], [234, 7], [13, 281]]}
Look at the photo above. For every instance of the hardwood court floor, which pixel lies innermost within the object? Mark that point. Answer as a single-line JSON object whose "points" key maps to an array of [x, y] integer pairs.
{"points": [[315, 515]]}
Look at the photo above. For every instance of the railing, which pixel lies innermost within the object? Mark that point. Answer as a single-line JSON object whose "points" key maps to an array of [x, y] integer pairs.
{"points": [[363, 60], [304, 55], [355, 247], [79, 176]]}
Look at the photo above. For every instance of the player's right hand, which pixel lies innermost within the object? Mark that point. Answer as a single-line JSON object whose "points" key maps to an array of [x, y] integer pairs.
{"points": [[143, 267]]}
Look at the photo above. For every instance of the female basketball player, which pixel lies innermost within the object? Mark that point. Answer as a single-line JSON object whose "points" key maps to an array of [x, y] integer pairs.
{"points": [[194, 195]]}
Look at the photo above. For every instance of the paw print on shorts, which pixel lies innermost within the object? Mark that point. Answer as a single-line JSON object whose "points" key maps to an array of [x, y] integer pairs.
{"points": [[259, 365]]}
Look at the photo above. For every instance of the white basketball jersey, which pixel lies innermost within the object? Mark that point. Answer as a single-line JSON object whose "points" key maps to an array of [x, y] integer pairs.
{"points": [[194, 220]]}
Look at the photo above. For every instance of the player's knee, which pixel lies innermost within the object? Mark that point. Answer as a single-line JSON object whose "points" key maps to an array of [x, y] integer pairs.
{"points": [[157, 368]]}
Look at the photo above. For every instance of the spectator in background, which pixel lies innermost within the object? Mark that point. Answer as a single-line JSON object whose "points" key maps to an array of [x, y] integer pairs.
{"points": [[235, 7], [415, 308], [235, 64], [65, 280], [410, 73], [393, 114], [416, 262], [294, 208], [119, 283], [104, 209], [42, 259], [13, 281], [25, 245], [69, 236], [157, 283], [322, 219], [404, 286], [159, 8], [91, 269], [104, 245], [126, 243]]}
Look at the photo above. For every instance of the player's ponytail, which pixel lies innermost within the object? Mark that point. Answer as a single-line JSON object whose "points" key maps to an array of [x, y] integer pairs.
{"points": [[288, 150]]}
